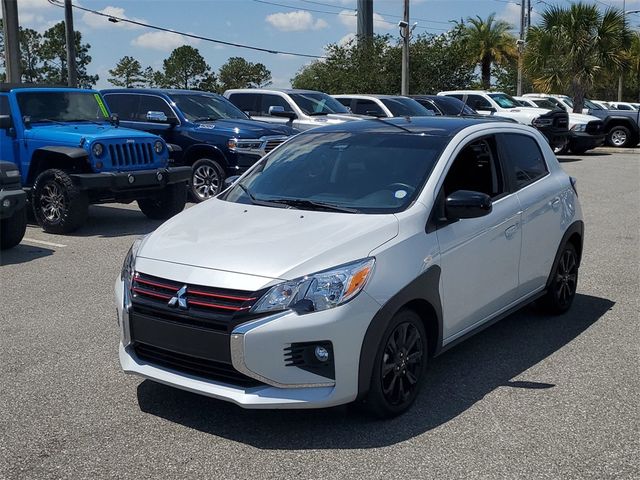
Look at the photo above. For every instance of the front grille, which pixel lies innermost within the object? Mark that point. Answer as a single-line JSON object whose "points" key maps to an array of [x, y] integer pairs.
{"points": [[131, 154], [212, 370], [201, 301], [271, 144], [595, 127]]}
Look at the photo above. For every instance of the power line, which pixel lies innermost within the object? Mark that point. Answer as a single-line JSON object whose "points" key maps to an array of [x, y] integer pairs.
{"points": [[185, 34]]}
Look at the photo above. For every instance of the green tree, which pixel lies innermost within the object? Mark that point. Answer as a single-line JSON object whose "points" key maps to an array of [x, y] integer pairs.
{"points": [[573, 46], [127, 73], [209, 83], [488, 42], [54, 58], [30, 45], [185, 68], [238, 73]]}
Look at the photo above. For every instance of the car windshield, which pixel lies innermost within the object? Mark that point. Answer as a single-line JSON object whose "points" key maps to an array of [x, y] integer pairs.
{"points": [[591, 105], [354, 172], [200, 107], [544, 103], [62, 106], [405, 107], [453, 106], [316, 103], [504, 100]]}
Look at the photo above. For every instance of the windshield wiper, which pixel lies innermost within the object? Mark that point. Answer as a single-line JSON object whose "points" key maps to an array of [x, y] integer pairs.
{"points": [[48, 120], [313, 205], [206, 119], [256, 201], [85, 120]]}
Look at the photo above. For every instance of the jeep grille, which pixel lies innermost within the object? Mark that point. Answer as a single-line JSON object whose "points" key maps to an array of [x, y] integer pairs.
{"points": [[130, 154]]}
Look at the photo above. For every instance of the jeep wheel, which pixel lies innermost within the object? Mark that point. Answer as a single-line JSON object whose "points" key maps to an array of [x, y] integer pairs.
{"points": [[399, 365], [58, 205], [564, 281], [169, 202], [12, 229], [207, 179], [619, 136]]}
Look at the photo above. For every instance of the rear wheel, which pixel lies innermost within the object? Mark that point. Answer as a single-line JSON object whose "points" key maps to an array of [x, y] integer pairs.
{"points": [[58, 205], [562, 289], [167, 203], [399, 365], [207, 179], [619, 136], [12, 229]]}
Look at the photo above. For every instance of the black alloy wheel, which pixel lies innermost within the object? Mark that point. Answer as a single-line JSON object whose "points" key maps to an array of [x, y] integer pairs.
{"points": [[564, 282]]}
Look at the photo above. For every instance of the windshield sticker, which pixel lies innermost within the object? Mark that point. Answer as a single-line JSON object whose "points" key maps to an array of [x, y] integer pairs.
{"points": [[103, 109]]}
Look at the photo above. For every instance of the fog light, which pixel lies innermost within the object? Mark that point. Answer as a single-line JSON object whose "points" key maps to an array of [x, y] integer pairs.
{"points": [[6, 203], [322, 354], [159, 176], [99, 165], [131, 179]]}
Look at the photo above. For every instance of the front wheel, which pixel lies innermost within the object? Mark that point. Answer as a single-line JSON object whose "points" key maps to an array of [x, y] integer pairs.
{"points": [[58, 205], [207, 179], [619, 136], [168, 202], [564, 282], [12, 229], [399, 365]]}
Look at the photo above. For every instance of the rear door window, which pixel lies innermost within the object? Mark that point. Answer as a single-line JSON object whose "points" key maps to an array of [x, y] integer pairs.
{"points": [[151, 103], [524, 159]]}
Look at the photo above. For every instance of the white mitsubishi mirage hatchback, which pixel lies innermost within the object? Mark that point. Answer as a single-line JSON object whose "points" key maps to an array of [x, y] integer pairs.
{"points": [[347, 257]]}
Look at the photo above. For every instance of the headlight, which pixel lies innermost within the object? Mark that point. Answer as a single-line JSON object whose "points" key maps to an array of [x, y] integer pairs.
{"points": [[97, 149], [319, 291], [241, 145], [128, 267], [581, 127], [158, 146], [542, 122]]}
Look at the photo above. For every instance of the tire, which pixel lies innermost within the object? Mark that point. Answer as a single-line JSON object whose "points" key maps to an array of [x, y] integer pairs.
{"points": [[620, 136], [207, 179], [562, 289], [395, 380], [12, 229], [169, 202], [58, 205]]}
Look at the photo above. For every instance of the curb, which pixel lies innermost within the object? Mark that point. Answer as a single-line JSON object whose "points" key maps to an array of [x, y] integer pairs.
{"points": [[615, 150]]}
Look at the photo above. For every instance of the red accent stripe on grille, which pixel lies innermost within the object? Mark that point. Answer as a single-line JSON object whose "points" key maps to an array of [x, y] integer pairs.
{"points": [[216, 295], [213, 305], [142, 291], [156, 284]]}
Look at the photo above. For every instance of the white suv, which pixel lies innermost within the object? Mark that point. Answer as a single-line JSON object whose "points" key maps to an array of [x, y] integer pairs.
{"points": [[341, 262]]}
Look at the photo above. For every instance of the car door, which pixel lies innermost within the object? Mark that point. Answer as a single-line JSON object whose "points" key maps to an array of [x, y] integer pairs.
{"points": [[479, 256], [270, 100], [540, 198], [7, 144]]}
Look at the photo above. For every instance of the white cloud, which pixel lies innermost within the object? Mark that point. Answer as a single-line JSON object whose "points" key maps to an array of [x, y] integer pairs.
{"points": [[511, 15], [297, 21], [164, 41], [346, 39], [98, 21], [349, 19], [33, 5]]}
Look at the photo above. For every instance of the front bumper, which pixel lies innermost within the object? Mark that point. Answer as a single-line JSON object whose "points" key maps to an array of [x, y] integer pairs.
{"points": [[16, 199], [133, 180], [557, 138], [258, 350], [585, 141]]}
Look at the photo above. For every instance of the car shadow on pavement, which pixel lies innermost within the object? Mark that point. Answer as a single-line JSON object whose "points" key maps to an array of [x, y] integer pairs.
{"points": [[22, 254], [107, 221], [455, 381]]}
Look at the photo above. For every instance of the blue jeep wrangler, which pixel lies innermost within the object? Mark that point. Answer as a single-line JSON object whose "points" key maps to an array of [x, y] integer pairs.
{"points": [[216, 139], [71, 152]]}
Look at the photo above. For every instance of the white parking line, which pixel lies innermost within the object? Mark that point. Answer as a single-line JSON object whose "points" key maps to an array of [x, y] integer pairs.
{"points": [[50, 244]]}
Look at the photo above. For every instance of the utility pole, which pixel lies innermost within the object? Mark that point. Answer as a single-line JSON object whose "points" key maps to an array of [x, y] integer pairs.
{"points": [[624, 25], [72, 73], [11, 40], [365, 19], [405, 33], [520, 45]]}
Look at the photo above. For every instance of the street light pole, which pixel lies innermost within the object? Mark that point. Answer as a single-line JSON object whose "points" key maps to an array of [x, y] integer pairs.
{"points": [[520, 45], [624, 24], [11, 40], [405, 33], [72, 73]]}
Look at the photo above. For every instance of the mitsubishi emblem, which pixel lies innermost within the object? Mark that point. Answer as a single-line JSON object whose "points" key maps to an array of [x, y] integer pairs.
{"points": [[180, 299]]}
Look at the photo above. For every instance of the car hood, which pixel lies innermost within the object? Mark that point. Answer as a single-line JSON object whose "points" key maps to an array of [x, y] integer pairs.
{"points": [[241, 128], [580, 119], [276, 243], [72, 133]]}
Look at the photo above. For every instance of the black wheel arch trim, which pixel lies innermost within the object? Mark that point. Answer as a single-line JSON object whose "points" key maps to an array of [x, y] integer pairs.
{"points": [[424, 288], [71, 152], [575, 227], [618, 121], [189, 157]]}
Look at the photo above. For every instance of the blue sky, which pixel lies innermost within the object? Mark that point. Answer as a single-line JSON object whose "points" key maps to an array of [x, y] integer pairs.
{"points": [[254, 23]]}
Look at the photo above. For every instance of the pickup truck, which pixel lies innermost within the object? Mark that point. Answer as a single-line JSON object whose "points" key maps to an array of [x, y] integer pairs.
{"points": [[71, 152], [554, 125], [216, 139]]}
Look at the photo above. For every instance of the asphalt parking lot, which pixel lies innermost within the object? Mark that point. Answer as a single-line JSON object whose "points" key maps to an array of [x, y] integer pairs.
{"points": [[530, 397]]}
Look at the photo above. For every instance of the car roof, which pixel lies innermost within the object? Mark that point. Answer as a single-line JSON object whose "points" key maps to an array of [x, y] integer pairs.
{"points": [[367, 95], [440, 126], [270, 90], [166, 91], [7, 87]]}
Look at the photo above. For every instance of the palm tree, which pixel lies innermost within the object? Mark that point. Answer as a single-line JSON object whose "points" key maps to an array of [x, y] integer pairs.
{"points": [[489, 41], [572, 46]]}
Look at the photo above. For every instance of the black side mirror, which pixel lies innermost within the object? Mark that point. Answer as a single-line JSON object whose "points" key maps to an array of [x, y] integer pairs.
{"points": [[230, 180], [114, 120], [279, 111], [5, 122], [467, 204]]}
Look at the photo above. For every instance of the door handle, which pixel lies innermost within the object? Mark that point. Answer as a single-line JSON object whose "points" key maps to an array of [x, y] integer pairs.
{"points": [[555, 204], [510, 232]]}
